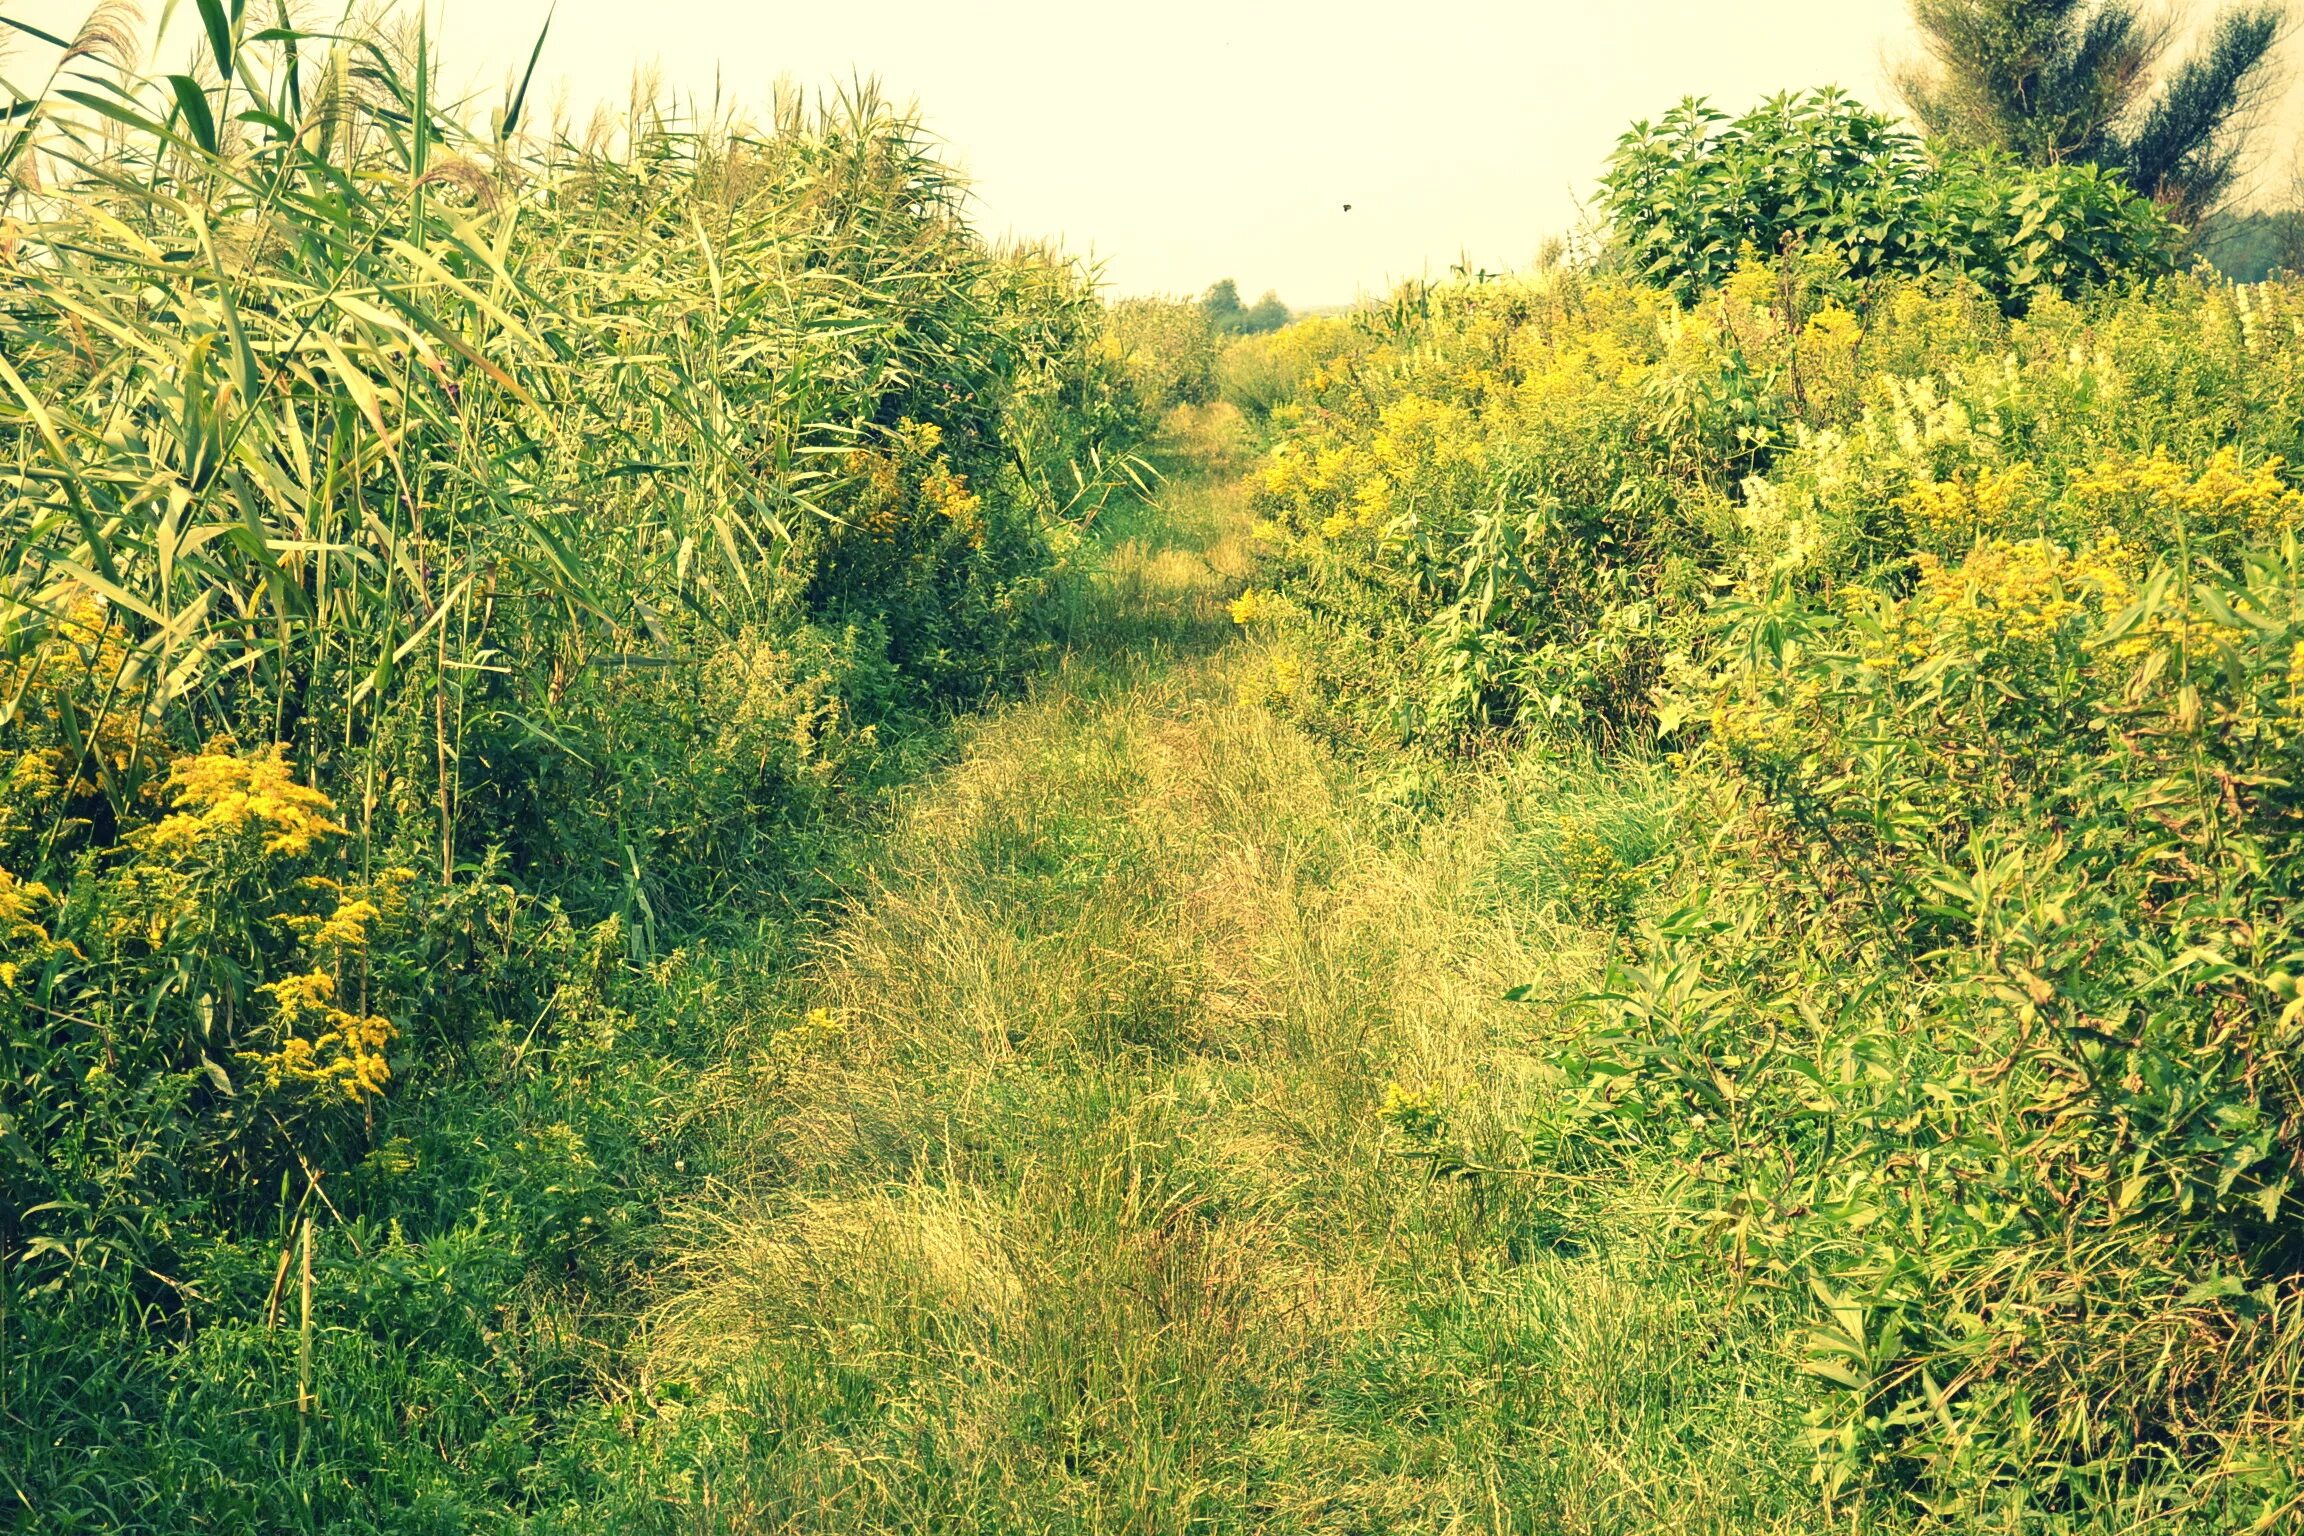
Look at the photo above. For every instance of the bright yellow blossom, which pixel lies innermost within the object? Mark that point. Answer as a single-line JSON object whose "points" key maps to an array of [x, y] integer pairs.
{"points": [[220, 795], [324, 1050]]}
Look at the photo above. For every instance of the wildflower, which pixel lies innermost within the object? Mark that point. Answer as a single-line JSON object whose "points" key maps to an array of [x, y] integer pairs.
{"points": [[77, 668], [818, 1027], [2292, 711], [218, 796], [2151, 498], [19, 899], [2008, 597], [348, 924], [325, 1050], [1416, 1113], [1953, 514], [29, 788]]}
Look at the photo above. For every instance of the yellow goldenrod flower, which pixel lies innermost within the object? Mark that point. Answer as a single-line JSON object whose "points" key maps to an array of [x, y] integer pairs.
{"points": [[221, 795], [324, 1050]]}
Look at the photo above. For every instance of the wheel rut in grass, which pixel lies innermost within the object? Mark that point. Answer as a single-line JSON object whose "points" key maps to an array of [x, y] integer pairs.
{"points": [[1071, 1208]]}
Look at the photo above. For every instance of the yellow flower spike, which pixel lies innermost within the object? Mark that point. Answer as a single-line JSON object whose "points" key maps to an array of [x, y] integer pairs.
{"points": [[18, 900], [22, 939], [53, 683], [220, 795], [347, 925], [341, 1058], [2292, 711]]}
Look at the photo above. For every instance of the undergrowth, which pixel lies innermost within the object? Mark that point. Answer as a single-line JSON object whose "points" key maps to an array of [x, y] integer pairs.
{"points": [[1953, 997]]}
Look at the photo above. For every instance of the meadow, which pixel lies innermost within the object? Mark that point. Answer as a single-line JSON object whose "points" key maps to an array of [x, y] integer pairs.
{"points": [[684, 850]]}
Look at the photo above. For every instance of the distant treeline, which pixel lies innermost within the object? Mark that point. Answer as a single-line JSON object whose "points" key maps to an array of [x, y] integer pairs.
{"points": [[2251, 247], [1227, 316]]}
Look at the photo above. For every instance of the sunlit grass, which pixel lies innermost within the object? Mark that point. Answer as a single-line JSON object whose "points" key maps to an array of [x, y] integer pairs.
{"points": [[1080, 1214]]}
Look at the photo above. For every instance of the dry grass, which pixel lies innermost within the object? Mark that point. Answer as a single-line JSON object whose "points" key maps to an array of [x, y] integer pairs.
{"points": [[1081, 1217]]}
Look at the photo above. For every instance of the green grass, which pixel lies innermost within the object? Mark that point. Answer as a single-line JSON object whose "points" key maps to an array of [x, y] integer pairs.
{"points": [[1075, 1212], [1027, 1176]]}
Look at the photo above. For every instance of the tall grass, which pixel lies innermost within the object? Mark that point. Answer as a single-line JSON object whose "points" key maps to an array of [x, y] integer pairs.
{"points": [[444, 565]]}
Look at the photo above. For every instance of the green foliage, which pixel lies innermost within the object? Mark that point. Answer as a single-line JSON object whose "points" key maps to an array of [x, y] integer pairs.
{"points": [[1227, 316], [2057, 82], [1693, 193], [1168, 350], [1182, 352], [440, 573], [1260, 372], [1966, 1017]]}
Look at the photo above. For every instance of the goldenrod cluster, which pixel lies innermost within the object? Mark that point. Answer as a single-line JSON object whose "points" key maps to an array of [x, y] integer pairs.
{"points": [[1277, 679], [324, 1050], [1592, 877], [80, 669], [2156, 499], [20, 936], [1262, 605], [1415, 1112], [1760, 732], [1953, 514], [908, 474], [30, 788], [818, 1027], [2006, 595], [220, 797]]}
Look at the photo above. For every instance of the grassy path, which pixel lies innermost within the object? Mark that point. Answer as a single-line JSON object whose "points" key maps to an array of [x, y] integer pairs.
{"points": [[1072, 1210]]}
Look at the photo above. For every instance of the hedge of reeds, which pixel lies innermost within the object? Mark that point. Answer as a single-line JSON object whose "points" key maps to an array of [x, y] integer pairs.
{"points": [[441, 566]]}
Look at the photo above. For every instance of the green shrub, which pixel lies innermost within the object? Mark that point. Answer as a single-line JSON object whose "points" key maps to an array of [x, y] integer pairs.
{"points": [[1259, 372], [1974, 641], [1692, 193], [1168, 351]]}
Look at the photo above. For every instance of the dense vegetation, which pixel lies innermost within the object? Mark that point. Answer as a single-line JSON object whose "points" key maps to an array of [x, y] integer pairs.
{"points": [[445, 572], [1958, 1000], [1660, 893], [1692, 192]]}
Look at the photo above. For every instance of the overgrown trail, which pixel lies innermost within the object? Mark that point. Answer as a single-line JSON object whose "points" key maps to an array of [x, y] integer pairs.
{"points": [[1073, 1209]]}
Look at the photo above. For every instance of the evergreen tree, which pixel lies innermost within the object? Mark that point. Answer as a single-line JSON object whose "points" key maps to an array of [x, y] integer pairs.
{"points": [[1222, 302], [2066, 81]]}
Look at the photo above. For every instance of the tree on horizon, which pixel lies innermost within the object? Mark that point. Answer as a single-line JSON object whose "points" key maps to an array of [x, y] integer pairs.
{"points": [[2070, 81]]}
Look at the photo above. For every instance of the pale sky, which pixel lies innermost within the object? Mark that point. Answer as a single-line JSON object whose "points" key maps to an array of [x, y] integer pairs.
{"points": [[1193, 140]]}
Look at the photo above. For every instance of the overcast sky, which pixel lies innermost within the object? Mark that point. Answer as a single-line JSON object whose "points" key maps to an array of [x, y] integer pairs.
{"points": [[1191, 140]]}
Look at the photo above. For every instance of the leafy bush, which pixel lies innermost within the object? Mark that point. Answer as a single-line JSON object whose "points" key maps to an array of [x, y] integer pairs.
{"points": [[1261, 372], [1975, 643], [1168, 351], [2038, 804], [1691, 193], [1227, 316]]}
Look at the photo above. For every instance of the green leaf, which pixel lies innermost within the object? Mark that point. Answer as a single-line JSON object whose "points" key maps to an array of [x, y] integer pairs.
{"points": [[219, 25], [31, 31], [192, 106], [520, 96]]}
